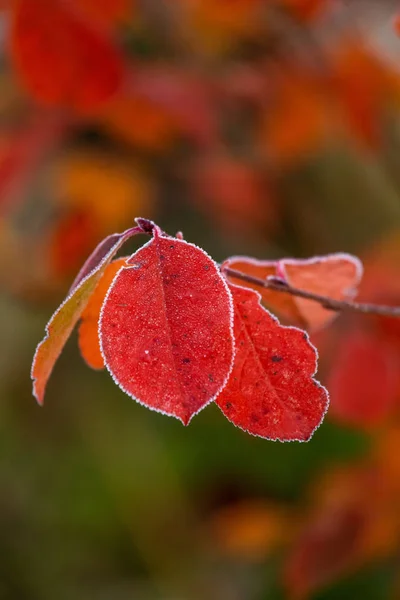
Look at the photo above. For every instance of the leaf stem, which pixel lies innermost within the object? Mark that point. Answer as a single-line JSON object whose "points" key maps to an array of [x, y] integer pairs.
{"points": [[280, 285]]}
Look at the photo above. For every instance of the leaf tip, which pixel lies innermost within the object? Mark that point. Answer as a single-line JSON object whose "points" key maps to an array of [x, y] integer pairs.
{"points": [[37, 392], [146, 225], [39, 399]]}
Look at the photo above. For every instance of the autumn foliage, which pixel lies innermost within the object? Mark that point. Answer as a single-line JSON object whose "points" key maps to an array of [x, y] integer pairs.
{"points": [[268, 132], [176, 335]]}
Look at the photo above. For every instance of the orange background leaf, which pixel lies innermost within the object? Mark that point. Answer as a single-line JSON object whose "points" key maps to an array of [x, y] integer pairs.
{"points": [[67, 315], [88, 328], [335, 276]]}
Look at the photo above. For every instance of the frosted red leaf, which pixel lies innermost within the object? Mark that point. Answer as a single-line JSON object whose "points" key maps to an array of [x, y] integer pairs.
{"points": [[166, 328], [20, 152], [334, 275], [62, 59], [271, 392], [63, 321], [365, 380]]}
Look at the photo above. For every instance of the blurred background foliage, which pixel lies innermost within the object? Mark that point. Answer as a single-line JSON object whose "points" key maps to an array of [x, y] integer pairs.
{"points": [[261, 127]]}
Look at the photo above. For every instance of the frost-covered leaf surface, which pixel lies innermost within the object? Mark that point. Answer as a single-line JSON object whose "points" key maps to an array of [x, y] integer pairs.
{"points": [[166, 328], [271, 392]]}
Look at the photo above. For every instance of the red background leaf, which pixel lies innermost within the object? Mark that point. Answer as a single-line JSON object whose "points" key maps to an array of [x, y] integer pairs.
{"points": [[61, 59], [365, 380], [106, 12]]}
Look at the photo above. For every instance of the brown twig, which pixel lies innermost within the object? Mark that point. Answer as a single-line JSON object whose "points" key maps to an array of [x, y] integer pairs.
{"points": [[279, 285]]}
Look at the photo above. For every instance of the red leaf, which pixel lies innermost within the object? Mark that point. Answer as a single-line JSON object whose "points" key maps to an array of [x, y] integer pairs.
{"points": [[108, 13], [221, 184], [271, 392], [353, 521], [326, 549], [307, 10], [396, 23], [166, 328], [187, 98], [365, 380], [71, 239], [63, 321], [62, 59], [20, 152], [334, 275]]}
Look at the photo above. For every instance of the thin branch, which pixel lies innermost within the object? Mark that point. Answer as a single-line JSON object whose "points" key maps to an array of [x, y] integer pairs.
{"points": [[279, 285]]}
